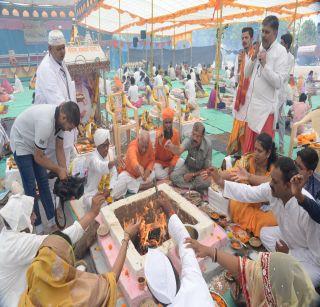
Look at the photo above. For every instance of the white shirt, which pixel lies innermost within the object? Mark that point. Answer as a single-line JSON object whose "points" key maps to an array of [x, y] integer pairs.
{"points": [[264, 86], [190, 90], [243, 110], [136, 76], [193, 289], [283, 93], [17, 251], [193, 76], [300, 232], [54, 86], [133, 93], [33, 128], [158, 80], [172, 73], [154, 69]]}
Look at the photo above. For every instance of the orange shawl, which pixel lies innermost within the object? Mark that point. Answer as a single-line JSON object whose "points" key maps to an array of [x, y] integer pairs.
{"points": [[243, 82]]}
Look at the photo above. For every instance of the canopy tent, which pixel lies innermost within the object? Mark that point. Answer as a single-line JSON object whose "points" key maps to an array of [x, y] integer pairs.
{"points": [[170, 18]]}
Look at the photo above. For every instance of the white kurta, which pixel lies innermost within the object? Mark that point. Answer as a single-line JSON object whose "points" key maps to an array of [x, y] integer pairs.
{"points": [[193, 289], [172, 73], [190, 89], [162, 173], [158, 81], [300, 232], [97, 167], [283, 93], [136, 76], [264, 86], [17, 251], [127, 183], [193, 76], [54, 86]]}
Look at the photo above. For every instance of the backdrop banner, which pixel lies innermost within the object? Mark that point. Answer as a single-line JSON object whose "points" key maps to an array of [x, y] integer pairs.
{"points": [[34, 32]]}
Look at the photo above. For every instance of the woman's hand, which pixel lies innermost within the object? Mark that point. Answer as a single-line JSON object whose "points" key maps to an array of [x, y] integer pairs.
{"points": [[240, 174], [200, 250]]}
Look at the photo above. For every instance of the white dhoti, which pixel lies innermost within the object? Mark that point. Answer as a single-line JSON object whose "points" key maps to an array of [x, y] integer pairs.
{"points": [[127, 183], [163, 173], [270, 235]]}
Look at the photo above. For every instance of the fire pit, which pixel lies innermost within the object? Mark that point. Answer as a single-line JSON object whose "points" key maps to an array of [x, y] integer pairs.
{"points": [[153, 229], [153, 233]]}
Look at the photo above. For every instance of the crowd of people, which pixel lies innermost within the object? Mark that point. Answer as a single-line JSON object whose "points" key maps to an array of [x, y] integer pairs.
{"points": [[275, 198]]}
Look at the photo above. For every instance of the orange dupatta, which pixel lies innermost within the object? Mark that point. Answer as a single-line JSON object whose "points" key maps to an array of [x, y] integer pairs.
{"points": [[243, 82]]}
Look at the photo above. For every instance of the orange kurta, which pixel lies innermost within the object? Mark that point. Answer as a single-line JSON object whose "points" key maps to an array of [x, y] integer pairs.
{"points": [[204, 77], [163, 156], [134, 158], [249, 216]]}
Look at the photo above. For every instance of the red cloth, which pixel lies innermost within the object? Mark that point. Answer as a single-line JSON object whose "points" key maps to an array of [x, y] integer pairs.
{"points": [[250, 136]]}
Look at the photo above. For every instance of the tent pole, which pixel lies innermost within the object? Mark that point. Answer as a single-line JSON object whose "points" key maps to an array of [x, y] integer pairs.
{"points": [[151, 46], [99, 40], [128, 46], [174, 44], [120, 51], [218, 59], [191, 51], [294, 33]]}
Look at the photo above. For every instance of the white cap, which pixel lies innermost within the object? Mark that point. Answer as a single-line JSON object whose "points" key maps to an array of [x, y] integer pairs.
{"points": [[100, 136], [160, 276], [56, 38], [17, 212]]}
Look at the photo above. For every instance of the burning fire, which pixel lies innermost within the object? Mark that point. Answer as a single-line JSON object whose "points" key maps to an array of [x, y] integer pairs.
{"points": [[153, 228]]}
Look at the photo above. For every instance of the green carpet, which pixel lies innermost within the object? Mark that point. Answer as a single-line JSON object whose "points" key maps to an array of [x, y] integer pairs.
{"points": [[216, 122]]}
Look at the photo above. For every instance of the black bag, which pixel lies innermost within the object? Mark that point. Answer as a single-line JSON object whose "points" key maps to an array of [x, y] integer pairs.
{"points": [[71, 188]]}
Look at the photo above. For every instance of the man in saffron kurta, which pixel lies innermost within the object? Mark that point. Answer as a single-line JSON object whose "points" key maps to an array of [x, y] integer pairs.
{"points": [[166, 161], [138, 173], [236, 139]]}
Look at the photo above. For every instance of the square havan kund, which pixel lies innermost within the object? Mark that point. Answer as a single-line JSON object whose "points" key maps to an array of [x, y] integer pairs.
{"points": [[153, 230]]}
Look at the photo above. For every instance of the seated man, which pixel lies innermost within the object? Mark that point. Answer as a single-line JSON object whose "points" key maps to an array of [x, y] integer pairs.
{"points": [[297, 233], [99, 167], [166, 161], [161, 277], [138, 173], [18, 246], [307, 161], [199, 158]]}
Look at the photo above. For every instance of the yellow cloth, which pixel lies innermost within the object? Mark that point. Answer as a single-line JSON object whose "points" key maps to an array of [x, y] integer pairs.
{"points": [[249, 216], [204, 77], [236, 138], [54, 281], [275, 279]]}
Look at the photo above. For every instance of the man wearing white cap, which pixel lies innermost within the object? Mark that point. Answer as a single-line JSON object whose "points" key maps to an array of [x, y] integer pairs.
{"points": [[160, 276], [18, 246], [54, 86], [99, 165]]}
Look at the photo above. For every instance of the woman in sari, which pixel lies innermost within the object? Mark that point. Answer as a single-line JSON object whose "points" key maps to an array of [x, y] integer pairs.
{"points": [[53, 279], [274, 279], [254, 169]]}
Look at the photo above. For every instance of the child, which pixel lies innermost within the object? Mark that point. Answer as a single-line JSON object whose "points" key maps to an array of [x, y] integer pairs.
{"points": [[299, 110]]}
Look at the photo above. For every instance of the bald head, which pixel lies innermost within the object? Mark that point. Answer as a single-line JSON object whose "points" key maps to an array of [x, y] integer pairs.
{"points": [[143, 141]]}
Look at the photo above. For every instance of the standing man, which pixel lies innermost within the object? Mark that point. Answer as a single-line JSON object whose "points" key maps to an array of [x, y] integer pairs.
{"points": [[199, 158], [286, 41], [267, 70], [29, 138], [54, 86], [240, 107], [166, 161], [190, 90]]}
